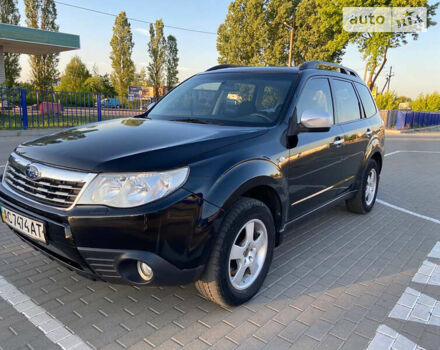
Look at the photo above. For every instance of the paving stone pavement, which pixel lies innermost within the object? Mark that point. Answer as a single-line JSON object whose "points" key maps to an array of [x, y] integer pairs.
{"points": [[333, 284]]}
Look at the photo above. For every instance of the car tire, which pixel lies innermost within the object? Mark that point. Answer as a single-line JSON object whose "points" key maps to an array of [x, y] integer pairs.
{"points": [[241, 255], [365, 198]]}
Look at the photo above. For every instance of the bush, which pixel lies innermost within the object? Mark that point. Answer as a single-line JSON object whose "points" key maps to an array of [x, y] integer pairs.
{"points": [[427, 103], [388, 100]]}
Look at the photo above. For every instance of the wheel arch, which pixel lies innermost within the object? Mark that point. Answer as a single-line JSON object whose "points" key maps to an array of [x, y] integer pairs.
{"points": [[377, 157], [258, 179], [266, 194]]}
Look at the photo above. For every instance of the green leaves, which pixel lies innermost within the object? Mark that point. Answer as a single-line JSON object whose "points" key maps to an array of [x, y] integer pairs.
{"points": [[171, 62], [256, 32], [9, 14], [428, 102], [387, 100], [242, 39], [122, 48], [74, 77], [42, 14], [156, 51]]}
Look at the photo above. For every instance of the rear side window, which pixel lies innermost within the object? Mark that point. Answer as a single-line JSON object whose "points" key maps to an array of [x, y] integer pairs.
{"points": [[346, 101], [367, 100], [315, 95]]}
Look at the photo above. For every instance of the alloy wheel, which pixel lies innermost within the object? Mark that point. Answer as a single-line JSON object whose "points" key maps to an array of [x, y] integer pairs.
{"points": [[370, 188], [248, 254]]}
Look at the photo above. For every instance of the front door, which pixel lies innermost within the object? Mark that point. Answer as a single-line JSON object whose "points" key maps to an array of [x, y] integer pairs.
{"points": [[314, 163]]}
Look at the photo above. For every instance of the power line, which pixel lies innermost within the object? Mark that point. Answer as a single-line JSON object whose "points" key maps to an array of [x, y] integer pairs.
{"points": [[133, 19]]}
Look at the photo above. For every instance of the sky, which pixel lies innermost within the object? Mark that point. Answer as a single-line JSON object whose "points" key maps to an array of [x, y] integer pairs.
{"points": [[415, 65]]}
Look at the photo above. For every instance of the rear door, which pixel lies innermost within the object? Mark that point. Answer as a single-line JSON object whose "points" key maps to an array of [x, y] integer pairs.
{"points": [[314, 174], [350, 117]]}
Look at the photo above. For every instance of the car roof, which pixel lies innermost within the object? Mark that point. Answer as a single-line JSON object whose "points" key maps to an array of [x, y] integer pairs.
{"points": [[305, 71], [244, 69]]}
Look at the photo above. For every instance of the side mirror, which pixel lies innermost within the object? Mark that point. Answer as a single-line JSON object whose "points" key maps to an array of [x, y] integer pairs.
{"points": [[315, 121]]}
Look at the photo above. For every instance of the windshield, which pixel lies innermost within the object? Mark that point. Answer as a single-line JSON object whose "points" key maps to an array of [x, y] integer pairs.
{"points": [[227, 98]]}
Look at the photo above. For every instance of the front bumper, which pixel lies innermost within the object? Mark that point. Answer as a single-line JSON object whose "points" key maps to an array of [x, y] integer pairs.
{"points": [[103, 243]]}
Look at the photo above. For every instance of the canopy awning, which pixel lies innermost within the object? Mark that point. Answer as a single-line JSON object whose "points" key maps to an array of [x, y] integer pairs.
{"points": [[16, 39]]}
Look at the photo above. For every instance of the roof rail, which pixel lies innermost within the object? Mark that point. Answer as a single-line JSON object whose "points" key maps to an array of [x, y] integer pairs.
{"points": [[222, 66], [317, 64]]}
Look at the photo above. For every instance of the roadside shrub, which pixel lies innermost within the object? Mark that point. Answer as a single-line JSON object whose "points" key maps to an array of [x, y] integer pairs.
{"points": [[427, 103], [388, 100]]}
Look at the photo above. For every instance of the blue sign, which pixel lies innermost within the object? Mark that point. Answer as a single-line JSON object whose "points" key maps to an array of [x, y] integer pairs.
{"points": [[135, 91]]}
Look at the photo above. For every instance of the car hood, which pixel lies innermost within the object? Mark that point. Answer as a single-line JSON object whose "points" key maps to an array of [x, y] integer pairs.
{"points": [[132, 144]]}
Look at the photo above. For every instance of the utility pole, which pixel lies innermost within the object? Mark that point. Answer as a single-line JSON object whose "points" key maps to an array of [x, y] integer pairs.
{"points": [[388, 80], [291, 47], [291, 61], [390, 75]]}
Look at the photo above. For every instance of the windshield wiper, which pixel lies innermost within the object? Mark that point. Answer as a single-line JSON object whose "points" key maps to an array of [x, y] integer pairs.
{"points": [[191, 120]]}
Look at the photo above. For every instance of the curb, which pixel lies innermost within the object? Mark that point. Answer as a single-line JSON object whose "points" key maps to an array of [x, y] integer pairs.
{"points": [[31, 132], [412, 131]]}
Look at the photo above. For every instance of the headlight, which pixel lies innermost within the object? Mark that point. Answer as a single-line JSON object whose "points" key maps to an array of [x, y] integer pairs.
{"points": [[132, 189]]}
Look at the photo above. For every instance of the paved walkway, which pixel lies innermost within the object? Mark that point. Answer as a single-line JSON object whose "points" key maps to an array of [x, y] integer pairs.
{"points": [[339, 281]]}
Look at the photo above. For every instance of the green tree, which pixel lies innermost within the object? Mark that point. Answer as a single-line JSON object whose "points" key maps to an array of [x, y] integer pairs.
{"points": [[122, 48], [374, 47], [42, 14], [140, 78], [428, 102], [257, 32], [279, 15], [74, 77], [318, 31], [99, 84], [9, 14], [243, 36], [156, 51], [387, 100], [171, 62]]}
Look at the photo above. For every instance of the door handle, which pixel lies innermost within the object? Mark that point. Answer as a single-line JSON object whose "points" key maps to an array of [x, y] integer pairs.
{"points": [[338, 141], [368, 132]]}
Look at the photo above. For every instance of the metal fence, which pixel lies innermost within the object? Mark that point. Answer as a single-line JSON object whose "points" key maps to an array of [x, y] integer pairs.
{"points": [[400, 120], [23, 109]]}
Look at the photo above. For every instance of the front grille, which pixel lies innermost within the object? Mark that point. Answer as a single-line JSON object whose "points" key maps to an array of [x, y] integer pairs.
{"points": [[54, 190]]}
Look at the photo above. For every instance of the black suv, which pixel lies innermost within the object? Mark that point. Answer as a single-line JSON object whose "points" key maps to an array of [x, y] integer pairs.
{"points": [[204, 184]]}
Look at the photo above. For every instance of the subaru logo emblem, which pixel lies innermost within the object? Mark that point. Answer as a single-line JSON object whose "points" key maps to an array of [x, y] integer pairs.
{"points": [[32, 172]]}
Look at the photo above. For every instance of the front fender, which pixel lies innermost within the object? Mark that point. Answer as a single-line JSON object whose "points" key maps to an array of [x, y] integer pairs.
{"points": [[245, 176], [224, 189], [221, 191]]}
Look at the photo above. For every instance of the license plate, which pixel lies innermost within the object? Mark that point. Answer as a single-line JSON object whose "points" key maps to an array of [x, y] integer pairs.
{"points": [[31, 228]]}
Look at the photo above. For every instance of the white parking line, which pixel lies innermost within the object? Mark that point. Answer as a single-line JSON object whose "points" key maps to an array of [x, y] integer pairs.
{"points": [[50, 326], [403, 210], [407, 151], [390, 154], [413, 306], [387, 338]]}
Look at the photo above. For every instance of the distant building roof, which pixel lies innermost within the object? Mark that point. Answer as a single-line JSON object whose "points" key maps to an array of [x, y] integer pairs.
{"points": [[32, 41]]}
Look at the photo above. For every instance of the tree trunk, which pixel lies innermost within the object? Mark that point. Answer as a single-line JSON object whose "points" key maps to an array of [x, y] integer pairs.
{"points": [[370, 77], [380, 68]]}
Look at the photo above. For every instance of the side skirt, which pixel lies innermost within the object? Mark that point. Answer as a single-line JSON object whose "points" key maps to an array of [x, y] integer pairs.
{"points": [[330, 203]]}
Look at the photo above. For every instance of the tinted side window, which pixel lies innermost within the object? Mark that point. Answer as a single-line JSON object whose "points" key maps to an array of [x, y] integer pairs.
{"points": [[347, 105], [367, 100], [315, 95]]}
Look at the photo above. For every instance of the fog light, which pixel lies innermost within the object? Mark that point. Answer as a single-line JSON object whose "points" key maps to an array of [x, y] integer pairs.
{"points": [[145, 271]]}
